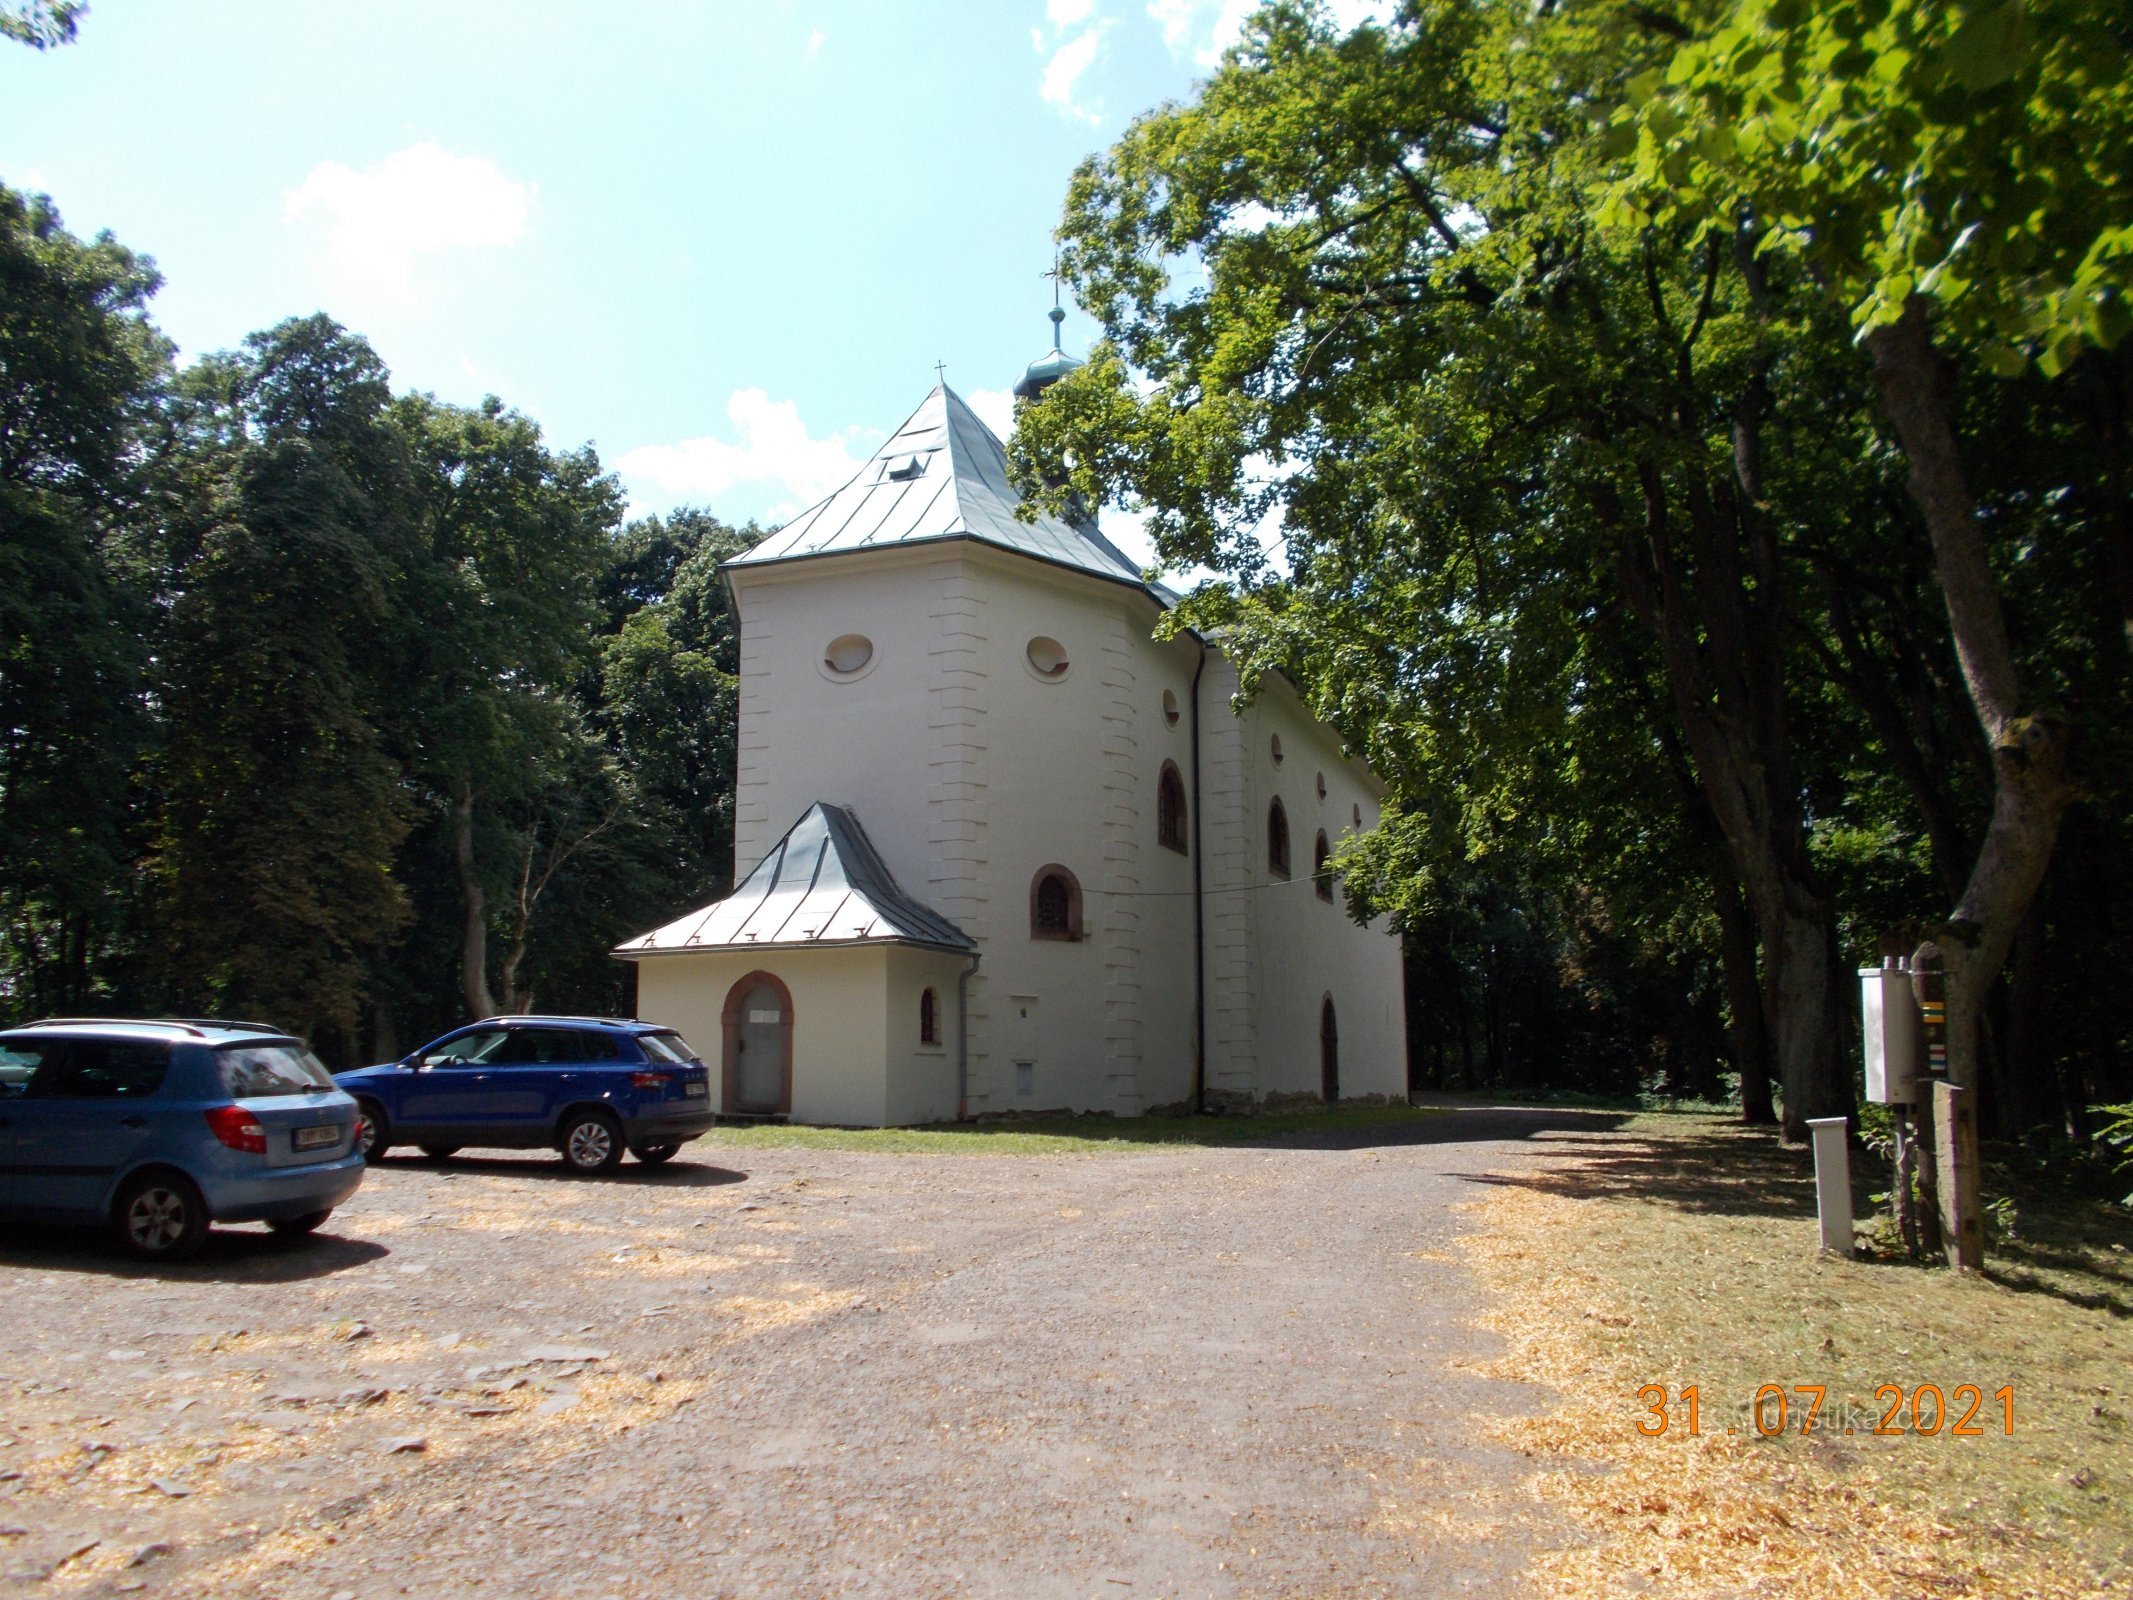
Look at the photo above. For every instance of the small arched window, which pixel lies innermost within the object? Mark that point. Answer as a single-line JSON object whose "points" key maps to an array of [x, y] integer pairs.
{"points": [[1277, 839], [1170, 809], [929, 1018], [1321, 875], [1054, 904]]}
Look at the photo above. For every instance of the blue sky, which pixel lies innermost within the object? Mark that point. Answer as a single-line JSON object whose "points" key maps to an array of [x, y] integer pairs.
{"points": [[724, 242]]}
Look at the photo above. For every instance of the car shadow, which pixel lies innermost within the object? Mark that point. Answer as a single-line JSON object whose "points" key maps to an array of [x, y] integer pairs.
{"points": [[230, 1255], [679, 1173]]}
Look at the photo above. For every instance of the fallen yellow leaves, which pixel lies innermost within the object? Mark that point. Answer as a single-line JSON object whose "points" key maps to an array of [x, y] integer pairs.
{"points": [[1693, 1517]]}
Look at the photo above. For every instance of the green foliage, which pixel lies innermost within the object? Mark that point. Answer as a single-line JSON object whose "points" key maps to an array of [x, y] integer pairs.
{"points": [[81, 371], [275, 643], [282, 806], [40, 24], [1973, 154]]}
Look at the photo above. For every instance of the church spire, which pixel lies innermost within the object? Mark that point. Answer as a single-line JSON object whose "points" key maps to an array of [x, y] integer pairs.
{"points": [[1048, 369]]}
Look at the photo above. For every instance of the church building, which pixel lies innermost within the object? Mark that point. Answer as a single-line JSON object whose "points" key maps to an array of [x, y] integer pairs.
{"points": [[1001, 850]]}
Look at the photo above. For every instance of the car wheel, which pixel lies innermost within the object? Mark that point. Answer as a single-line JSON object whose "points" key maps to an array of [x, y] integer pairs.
{"points": [[372, 1136], [161, 1217], [440, 1152], [592, 1142], [293, 1227], [655, 1155]]}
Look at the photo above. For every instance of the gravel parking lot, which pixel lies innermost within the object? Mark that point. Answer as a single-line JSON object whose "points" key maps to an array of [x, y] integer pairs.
{"points": [[1180, 1371]]}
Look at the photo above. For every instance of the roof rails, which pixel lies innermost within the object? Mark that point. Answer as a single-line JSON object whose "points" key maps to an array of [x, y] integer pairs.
{"points": [[108, 1022], [558, 1016], [233, 1027]]}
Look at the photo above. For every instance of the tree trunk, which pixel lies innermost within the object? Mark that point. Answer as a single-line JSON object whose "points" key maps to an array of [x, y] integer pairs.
{"points": [[1720, 642], [1748, 1033], [2032, 787], [474, 929]]}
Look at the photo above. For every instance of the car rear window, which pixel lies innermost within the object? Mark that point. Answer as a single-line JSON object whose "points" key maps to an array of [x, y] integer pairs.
{"points": [[256, 1071], [668, 1046]]}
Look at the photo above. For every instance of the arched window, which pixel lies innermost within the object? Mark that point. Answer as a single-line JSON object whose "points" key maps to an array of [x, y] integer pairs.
{"points": [[1170, 809], [1054, 904], [929, 1018], [1321, 876], [1277, 839]]}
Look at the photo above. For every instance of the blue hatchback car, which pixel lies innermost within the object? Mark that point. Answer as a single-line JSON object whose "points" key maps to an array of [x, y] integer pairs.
{"points": [[162, 1128], [589, 1087]]}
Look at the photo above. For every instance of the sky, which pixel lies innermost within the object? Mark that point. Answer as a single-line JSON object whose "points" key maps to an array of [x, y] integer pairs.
{"points": [[725, 242]]}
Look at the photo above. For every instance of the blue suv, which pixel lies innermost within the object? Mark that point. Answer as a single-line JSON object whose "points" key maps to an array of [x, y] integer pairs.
{"points": [[590, 1087], [161, 1128]]}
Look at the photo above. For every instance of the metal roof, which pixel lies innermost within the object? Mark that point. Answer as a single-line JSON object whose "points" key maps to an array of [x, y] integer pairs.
{"points": [[822, 884], [942, 475]]}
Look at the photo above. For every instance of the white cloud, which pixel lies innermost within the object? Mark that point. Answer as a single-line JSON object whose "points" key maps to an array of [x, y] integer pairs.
{"points": [[814, 43], [995, 408], [1064, 71], [1068, 13], [377, 223], [770, 449]]}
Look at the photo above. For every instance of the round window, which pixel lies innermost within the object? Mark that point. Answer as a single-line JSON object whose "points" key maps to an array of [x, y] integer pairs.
{"points": [[1170, 706], [1047, 657], [848, 654]]}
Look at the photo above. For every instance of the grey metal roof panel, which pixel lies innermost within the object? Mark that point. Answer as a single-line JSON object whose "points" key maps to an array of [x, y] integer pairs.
{"points": [[822, 884], [942, 475]]}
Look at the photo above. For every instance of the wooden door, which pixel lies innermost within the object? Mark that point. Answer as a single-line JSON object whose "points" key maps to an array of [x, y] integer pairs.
{"points": [[1329, 1053], [759, 1022]]}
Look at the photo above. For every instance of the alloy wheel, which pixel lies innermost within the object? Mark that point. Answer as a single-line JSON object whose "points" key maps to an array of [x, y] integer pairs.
{"points": [[156, 1219]]}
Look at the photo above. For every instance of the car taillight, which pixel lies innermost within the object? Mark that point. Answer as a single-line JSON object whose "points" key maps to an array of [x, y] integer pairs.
{"points": [[650, 1080], [234, 1126]]}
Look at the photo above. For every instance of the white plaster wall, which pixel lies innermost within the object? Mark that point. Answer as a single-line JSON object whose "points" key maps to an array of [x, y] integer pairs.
{"points": [[840, 1002], [969, 772], [1285, 949], [921, 1077]]}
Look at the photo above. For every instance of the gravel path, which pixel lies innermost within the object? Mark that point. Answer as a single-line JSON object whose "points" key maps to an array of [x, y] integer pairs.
{"points": [[1201, 1371]]}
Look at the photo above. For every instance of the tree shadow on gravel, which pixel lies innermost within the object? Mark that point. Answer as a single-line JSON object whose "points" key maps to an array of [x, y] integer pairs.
{"points": [[680, 1173], [228, 1256], [1745, 1173]]}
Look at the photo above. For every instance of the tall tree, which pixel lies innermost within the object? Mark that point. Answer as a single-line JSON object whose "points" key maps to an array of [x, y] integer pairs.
{"points": [[81, 369], [502, 600], [1957, 178], [282, 808], [1351, 293]]}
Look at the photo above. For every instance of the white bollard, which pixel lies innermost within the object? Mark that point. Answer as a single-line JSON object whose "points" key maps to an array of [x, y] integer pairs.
{"points": [[1833, 1183]]}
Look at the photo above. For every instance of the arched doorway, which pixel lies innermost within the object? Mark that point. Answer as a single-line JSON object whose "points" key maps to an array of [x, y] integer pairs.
{"points": [[758, 1065], [1329, 1053]]}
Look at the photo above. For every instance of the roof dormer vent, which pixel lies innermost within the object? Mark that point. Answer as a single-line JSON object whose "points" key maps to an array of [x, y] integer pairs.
{"points": [[904, 468]]}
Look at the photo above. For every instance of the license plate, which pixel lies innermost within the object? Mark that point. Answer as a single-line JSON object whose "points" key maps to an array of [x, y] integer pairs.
{"points": [[317, 1138], [694, 1091]]}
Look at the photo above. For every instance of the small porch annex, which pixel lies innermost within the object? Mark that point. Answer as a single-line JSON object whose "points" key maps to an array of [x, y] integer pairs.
{"points": [[818, 989]]}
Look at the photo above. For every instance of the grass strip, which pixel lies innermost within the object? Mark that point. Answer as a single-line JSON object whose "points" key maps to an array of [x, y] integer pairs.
{"points": [[1069, 1135]]}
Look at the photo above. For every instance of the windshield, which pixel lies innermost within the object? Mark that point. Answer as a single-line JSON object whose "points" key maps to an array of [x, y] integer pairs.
{"points": [[254, 1071], [666, 1047]]}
